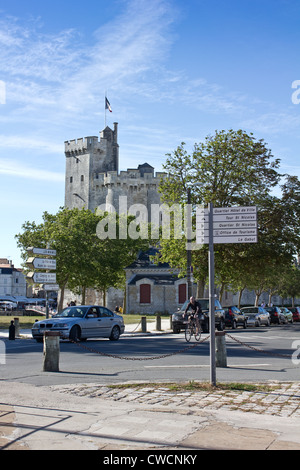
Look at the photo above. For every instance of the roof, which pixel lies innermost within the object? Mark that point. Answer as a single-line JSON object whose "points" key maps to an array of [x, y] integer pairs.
{"points": [[158, 279], [143, 261]]}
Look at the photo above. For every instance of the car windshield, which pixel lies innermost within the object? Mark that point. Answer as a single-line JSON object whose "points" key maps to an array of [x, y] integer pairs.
{"points": [[72, 312], [203, 302], [250, 310]]}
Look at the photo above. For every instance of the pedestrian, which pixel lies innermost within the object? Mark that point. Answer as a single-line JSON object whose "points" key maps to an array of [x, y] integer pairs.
{"points": [[11, 331]]}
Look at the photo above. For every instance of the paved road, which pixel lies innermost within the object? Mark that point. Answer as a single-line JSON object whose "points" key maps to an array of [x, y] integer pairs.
{"points": [[80, 365]]}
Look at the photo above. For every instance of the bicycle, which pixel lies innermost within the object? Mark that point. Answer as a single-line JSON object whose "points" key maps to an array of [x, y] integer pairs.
{"points": [[192, 328]]}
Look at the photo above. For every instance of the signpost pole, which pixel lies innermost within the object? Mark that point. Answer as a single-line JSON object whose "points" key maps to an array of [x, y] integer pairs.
{"points": [[211, 265]]}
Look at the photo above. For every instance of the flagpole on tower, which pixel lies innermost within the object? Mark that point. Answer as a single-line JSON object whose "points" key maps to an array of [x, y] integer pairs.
{"points": [[107, 106], [105, 111]]}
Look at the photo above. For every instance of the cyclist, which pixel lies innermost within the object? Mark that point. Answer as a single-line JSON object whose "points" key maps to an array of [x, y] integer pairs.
{"points": [[196, 310]]}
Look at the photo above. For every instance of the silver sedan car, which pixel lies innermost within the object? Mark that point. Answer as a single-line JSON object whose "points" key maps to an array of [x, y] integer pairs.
{"points": [[81, 322], [256, 316]]}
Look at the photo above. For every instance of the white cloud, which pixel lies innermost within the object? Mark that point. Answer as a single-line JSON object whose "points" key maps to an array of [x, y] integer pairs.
{"points": [[17, 169], [21, 142]]}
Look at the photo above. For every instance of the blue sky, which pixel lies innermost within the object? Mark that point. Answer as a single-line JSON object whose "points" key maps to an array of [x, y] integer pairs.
{"points": [[174, 70]]}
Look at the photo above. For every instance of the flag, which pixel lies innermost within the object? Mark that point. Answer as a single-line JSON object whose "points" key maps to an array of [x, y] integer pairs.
{"points": [[107, 105]]}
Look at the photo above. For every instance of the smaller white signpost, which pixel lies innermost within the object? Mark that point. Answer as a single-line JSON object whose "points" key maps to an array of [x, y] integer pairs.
{"points": [[42, 263], [51, 287], [222, 225], [40, 278], [41, 251], [47, 264]]}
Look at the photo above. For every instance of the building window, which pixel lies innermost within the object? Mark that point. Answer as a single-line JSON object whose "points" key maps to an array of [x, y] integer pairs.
{"points": [[82, 177], [181, 293], [71, 179], [145, 294]]}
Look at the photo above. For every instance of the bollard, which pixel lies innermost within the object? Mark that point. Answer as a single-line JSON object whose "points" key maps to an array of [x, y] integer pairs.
{"points": [[144, 324], [51, 351], [11, 331], [158, 322], [171, 322], [17, 326], [221, 353]]}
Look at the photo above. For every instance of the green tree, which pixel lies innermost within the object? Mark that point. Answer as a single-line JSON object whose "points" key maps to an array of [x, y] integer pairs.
{"points": [[83, 259], [233, 168]]}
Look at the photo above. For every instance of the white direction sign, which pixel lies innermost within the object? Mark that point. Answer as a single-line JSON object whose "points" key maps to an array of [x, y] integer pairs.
{"points": [[51, 287], [230, 225], [40, 278], [42, 251], [230, 239], [42, 263], [228, 210]]}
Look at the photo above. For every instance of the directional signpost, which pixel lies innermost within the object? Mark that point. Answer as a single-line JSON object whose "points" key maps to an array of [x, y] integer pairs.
{"points": [[40, 278], [47, 264], [41, 251], [222, 225], [41, 263], [230, 225]]}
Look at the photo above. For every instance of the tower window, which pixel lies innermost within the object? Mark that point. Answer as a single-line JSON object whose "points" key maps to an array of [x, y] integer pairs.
{"points": [[82, 178], [71, 179]]}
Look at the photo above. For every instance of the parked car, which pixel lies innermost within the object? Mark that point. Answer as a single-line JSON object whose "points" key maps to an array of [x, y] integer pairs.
{"points": [[8, 305], [287, 313], [256, 316], [179, 321], [296, 313], [81, 322], [234, 317], [276, 315]]}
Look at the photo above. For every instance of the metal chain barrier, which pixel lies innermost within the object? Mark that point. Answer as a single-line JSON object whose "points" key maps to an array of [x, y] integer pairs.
{"points": [[257, 349], [161, 356], [135, 327], [126, 358]]}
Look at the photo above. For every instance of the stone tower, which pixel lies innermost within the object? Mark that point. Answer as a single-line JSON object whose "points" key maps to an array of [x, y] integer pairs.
{"points": [[93, 178], [85, 159]]}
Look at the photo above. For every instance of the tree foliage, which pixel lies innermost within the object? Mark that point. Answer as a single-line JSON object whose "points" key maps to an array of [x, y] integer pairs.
{"points": [[83, 259], [234, 169]]}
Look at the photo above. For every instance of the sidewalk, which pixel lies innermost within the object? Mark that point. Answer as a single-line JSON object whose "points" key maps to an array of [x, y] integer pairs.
{"points": [[152, 417]]}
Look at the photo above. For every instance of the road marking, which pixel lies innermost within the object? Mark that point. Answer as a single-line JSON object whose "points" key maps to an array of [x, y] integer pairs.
{"points": [[195, 366]]}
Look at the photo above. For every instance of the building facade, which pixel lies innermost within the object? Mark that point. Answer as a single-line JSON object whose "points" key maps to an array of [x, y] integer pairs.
{"points": [[12, 280]]}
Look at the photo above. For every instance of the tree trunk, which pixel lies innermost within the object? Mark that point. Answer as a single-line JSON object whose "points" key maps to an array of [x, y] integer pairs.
{"points": [[240, 296], [61, 296], [83, 296], [200, 288]]}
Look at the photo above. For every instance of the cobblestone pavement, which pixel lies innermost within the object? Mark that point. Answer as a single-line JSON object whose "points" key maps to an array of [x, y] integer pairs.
{"points": [[283, 400]]}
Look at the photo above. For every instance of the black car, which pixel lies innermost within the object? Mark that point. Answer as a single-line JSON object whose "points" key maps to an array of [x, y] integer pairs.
{"points": [[179, 320], [276, 316], [234, 317]]}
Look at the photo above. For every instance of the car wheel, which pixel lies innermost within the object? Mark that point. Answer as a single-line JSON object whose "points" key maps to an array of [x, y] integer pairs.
{"points": [[176, 329], [75, 333], [221, 325], [115, 333]]}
